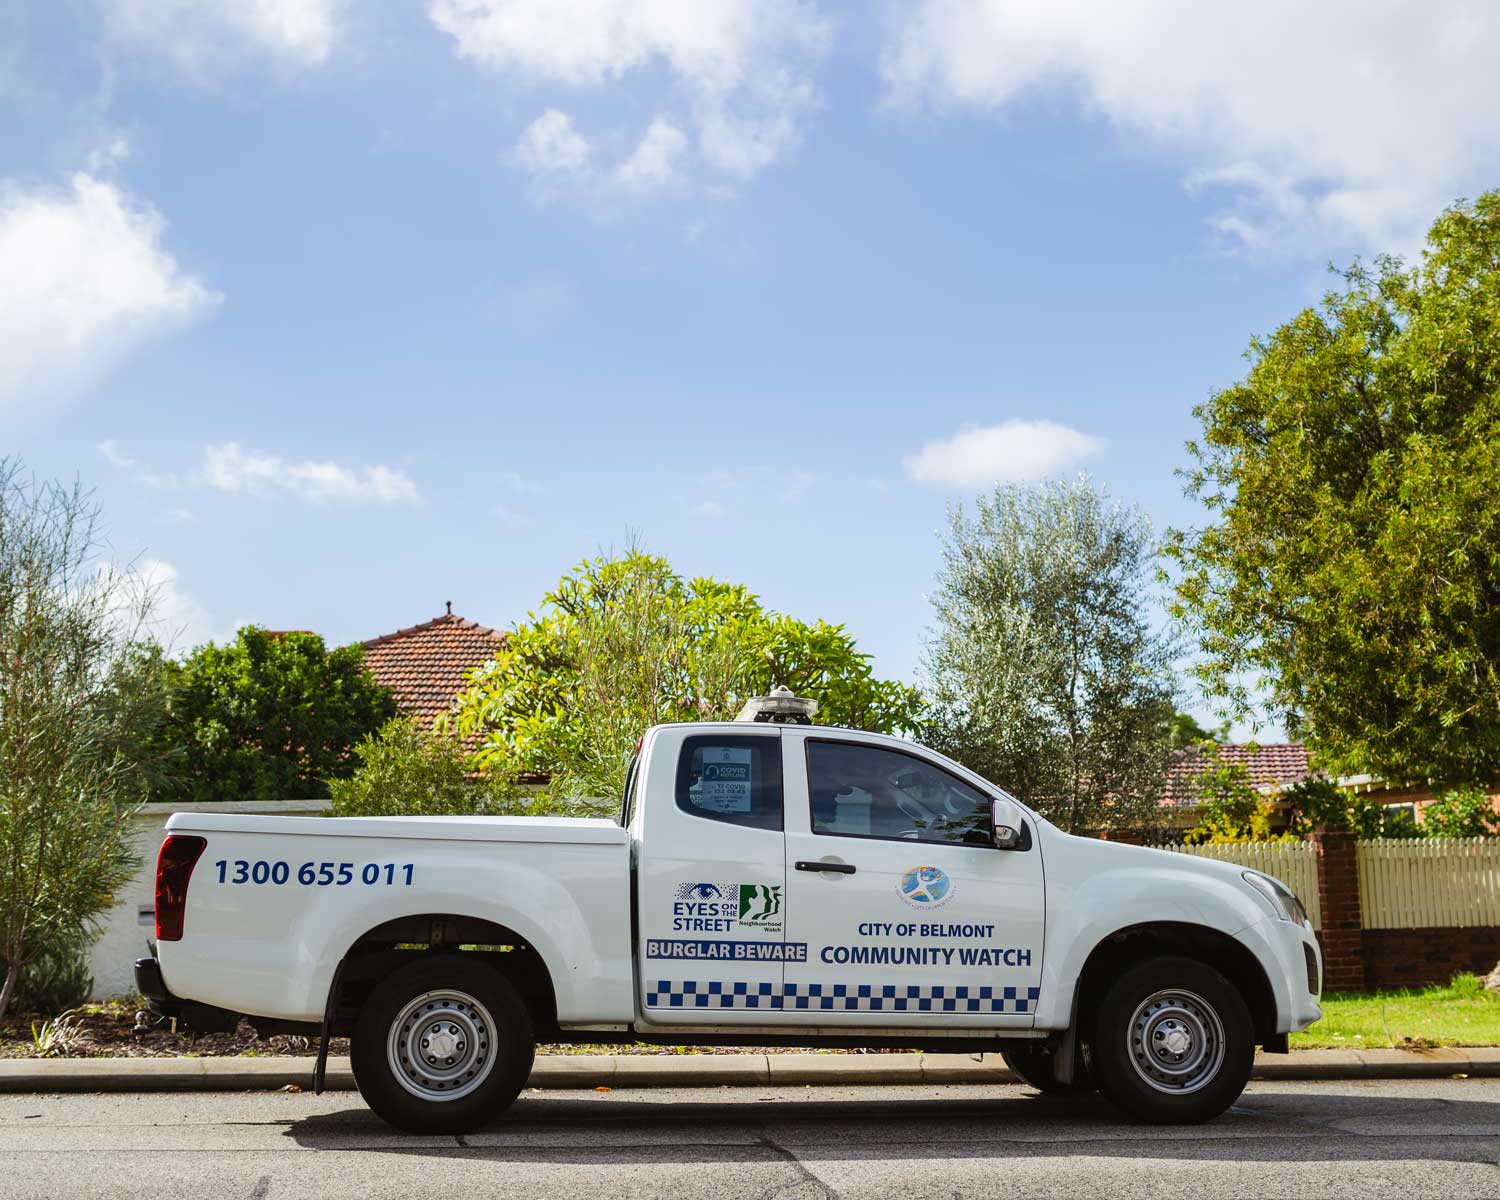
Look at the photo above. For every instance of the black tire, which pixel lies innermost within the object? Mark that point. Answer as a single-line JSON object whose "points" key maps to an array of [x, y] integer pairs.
{"points": [[1034, 1066], [1173, 1042], [486, 1040]]}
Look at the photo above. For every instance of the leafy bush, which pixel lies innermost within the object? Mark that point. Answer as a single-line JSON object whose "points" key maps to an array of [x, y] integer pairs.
{"points": [[404, 771], [1461, 813], [269, 716], [1230, 808], [1319, 801], [56, 980]]}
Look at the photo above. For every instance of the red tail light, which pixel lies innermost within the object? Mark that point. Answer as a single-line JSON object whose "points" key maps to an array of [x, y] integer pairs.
{"points": [[174, 867]]}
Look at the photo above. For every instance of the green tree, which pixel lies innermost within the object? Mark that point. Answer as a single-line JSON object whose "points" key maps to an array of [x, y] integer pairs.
{"points": [[406, 771], [78, 700], [1461, 813], [1045, 673], [1351, 563], [1183, 730], [625, 642], [269, 716]]}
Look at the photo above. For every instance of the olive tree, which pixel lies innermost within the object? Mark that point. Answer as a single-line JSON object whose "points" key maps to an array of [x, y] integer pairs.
{"points": [[1045, 673], [79, 695]]}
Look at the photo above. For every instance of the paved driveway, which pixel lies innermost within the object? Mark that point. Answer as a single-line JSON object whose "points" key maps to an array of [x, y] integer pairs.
{"points": [[1420, 1138]]}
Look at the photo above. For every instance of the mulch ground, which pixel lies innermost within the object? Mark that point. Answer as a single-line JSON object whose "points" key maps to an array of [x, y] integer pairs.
{"points": [[106, 1030]]}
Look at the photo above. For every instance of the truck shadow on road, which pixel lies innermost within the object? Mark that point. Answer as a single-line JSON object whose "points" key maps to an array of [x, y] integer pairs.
{"points": [[1348, 1125]]}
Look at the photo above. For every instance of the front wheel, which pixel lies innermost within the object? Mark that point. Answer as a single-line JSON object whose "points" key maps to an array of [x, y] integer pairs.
{"points": [[1173, 1042], [443, 1045]]}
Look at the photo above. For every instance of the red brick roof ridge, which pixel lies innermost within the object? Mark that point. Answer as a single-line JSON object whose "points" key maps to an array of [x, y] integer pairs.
{"points": [[444, 619]]}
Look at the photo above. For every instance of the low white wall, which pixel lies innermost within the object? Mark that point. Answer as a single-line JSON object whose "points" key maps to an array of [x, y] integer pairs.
{"points": [[131, 923]]}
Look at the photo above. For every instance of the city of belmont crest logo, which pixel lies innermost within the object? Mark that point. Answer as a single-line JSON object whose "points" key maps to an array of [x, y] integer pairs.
{"points": [[925, 887]]}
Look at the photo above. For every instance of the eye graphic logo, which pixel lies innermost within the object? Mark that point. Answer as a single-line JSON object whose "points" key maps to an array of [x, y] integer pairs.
{"points": [[699, 891], [925, 887]]}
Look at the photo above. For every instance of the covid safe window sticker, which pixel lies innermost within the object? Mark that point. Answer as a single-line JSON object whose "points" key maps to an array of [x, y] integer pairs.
{"points": [[925, 887], [725, 784]]}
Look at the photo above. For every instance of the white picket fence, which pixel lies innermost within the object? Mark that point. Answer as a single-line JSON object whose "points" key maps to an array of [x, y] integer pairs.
{"points": [[1294, 863], [1421, 883]]}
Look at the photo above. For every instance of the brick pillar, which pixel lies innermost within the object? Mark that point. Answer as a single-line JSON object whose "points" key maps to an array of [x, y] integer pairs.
{"points": [[1338, 895]]}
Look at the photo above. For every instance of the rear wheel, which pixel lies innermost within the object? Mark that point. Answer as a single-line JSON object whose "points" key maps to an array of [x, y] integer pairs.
{"points": [[443, 1045], [1035, 1066], [1173, 1042]]}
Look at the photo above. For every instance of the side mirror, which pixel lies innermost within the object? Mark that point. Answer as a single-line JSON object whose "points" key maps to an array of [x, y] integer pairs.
{"points": [[1005, 816]]}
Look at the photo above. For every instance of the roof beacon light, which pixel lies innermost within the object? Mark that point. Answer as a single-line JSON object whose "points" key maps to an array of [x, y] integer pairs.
{"points": [[779, 708]]}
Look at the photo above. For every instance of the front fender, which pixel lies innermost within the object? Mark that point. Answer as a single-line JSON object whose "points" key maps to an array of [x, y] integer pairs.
{"points": [[1084, 911]]}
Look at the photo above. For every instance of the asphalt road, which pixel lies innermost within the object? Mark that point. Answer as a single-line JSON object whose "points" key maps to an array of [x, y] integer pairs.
{"points": [[1365, 1139]]}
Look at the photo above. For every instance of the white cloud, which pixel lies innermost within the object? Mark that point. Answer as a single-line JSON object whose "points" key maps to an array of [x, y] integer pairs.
{"points": [[230, 468], [84, 279], [178, 620], [710, 510], [204, 37], [1336, 123], [514, 482], [736, 72], [551, 143], [509, 517], [653, 163], [560, 161], [1011, 452], [137, 470]]}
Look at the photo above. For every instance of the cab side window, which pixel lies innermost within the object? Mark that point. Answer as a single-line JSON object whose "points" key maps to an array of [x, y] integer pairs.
{"points": [[866, 791], [732, 779]]}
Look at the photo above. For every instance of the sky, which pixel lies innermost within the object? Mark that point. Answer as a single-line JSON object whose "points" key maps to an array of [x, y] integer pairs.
{"points": [[347, 310]]}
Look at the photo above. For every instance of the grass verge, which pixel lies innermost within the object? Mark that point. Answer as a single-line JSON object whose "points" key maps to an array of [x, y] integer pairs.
{"points": [[1460, 1014]]}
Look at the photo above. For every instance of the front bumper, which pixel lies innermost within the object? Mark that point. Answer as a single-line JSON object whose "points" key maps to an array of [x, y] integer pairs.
{"points": [[1283, 950]]}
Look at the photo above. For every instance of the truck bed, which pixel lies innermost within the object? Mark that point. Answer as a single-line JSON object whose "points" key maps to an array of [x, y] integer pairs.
{"points": [[275, 903]]}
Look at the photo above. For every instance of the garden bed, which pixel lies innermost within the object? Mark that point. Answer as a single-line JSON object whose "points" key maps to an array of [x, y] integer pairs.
{"points": [[106, 1030]]}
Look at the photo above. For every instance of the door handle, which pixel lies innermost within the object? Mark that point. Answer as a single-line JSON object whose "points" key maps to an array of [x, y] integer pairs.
{"points": [[837, 868]]}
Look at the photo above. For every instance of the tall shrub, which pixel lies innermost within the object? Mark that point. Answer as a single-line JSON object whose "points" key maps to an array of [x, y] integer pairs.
{"points": [[78, 700]]}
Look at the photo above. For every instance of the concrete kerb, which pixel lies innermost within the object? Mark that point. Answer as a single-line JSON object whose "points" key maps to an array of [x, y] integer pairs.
{"points": [[583, 1071]]}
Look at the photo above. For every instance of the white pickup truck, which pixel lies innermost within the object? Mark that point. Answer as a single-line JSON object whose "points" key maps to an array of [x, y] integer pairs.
{"points": [[768, 883]]}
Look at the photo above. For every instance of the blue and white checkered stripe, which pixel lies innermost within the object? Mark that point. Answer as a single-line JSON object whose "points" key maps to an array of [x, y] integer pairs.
{"points": [[842, 997]]}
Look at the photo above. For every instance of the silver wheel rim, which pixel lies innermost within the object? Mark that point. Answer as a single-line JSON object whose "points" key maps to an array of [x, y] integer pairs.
{"points": [[1176, 1042], [442, 1045]]}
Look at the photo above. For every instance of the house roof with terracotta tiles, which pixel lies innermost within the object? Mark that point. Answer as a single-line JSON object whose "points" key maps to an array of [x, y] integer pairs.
{"points": [[1273, 764], [427, 665]]}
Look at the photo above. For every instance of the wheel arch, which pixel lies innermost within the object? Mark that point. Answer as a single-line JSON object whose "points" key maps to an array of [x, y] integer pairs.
{"points": [[395, 942], [1128, 946]]}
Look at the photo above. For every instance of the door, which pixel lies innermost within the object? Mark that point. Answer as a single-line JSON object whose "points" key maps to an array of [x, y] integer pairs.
{"points": [[909, 914], [711, 876]]}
